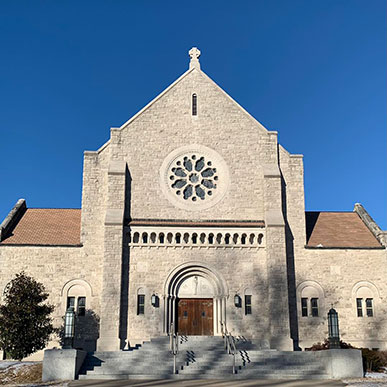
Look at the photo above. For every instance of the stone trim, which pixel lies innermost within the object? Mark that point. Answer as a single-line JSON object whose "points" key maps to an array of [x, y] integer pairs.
{"points": [[36, 245], [114, 217], [366, 284], [342, 248], [198, 238], [271, 170], [200, 150], [370, 223], [197, 223], [117, 167], [12, 218], [274, 218]]}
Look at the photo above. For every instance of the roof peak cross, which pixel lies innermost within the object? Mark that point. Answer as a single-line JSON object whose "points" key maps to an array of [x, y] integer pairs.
{"points": [[194, 54]]}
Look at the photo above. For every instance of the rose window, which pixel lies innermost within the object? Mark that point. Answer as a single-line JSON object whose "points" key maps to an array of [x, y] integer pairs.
{"points": [[193, 177]]}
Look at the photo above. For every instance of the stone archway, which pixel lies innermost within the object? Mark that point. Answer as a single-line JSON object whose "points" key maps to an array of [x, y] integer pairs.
{"points": [[209, 283]]}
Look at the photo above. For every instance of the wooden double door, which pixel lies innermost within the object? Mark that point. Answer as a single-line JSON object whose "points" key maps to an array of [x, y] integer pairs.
{"points": [[195, 316]]}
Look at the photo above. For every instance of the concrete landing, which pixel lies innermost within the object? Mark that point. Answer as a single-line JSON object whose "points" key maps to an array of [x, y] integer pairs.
{"points": [[209, 383]]}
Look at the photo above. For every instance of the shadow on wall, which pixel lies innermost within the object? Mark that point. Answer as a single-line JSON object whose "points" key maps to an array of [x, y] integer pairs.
{"points": [[125, 264], [86, 331]]}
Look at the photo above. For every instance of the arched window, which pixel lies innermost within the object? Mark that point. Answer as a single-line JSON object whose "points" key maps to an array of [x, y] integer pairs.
{"points": [[153, 237], [194, 105], [76, 295], [310, 299], [178, 238], [161, 237], [136, 237], [210, 239], [227, 239], [243, 239], [194, 238], [144, 237], [251, 239], [366, 296], [169, 237]]}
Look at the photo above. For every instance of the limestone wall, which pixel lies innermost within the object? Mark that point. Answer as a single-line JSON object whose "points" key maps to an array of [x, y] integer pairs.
{"points": [[56, 268], [242, 269], [221, 125], [339, 273]]}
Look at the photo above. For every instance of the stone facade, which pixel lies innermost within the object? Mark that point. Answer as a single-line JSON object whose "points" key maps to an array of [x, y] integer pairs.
{"points": [[240, 228]]}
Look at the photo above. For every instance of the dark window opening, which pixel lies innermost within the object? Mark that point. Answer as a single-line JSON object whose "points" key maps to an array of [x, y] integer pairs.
{"points": [[140, 303], [314, 307], [248, 304], [369, 307], [359, 307], [194, 105], [81, 306], [304, 307]]}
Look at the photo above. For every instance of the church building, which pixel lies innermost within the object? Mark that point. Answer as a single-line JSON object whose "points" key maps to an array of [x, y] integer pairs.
{"points": [[193, 219]]}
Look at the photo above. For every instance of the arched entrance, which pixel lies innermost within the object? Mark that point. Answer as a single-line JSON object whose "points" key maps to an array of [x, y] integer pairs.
{"points": [[195, 299]]}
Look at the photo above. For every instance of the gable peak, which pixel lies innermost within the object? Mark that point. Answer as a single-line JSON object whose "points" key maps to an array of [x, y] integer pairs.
{"points": [[194, 54]]}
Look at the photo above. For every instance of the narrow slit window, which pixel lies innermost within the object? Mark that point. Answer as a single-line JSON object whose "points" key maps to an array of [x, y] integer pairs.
{"points": [[304, 307], [248, 304], [140, 303], [81, 306], [194, 105], [314, 306], [369, 307], [359, 307]]}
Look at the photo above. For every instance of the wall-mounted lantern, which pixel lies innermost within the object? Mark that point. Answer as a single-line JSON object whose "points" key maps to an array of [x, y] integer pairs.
{"points": [[333, 329], [69, 329], [155, 300], [237, 301]]}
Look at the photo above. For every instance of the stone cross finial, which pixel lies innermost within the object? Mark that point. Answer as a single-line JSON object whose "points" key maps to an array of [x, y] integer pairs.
{"points": [[194, 54]]}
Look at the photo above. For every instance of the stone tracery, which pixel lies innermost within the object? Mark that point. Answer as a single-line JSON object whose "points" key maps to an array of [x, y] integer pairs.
{"points": [[193, 177]]}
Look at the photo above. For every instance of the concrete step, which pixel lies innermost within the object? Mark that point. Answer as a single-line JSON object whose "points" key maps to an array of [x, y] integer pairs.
{"points": [[200, 357]]}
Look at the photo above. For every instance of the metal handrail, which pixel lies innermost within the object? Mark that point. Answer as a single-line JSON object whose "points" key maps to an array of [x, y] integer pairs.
{"points": [[173, 344], [229, 343]]}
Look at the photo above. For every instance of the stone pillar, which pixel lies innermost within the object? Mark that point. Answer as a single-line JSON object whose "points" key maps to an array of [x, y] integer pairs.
{"points": [[278, 300], [112, 263]]}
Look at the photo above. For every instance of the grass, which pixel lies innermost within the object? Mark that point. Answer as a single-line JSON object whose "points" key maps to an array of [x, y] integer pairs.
{"points": [[20, 373]]}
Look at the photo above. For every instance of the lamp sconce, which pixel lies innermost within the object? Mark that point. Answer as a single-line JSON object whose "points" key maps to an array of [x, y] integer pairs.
{"points": [[155, 301], [333, 329], [68, 339], [237, 301]]}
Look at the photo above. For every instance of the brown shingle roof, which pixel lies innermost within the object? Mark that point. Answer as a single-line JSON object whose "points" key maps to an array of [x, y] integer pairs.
{"points": [[47, 226], [338, 229]]}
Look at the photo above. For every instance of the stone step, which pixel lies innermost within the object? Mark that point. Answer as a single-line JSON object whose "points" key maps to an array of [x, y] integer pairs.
{"points": [[200, 357]]}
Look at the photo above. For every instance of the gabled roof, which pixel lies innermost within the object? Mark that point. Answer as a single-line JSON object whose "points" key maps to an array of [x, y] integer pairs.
{"points": [[194, 66], [46, 227], [338, 229], [62, 226]]}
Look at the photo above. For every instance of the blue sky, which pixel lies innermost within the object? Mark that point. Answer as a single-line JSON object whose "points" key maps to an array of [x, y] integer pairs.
{"points": [[315, 71]]}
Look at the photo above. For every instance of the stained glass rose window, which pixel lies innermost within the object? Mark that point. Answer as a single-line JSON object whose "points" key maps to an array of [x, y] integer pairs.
{"points": [[193, 177]]}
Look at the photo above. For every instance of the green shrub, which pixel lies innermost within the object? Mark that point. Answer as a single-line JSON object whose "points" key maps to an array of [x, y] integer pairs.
{"points": [[25, 321]]}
